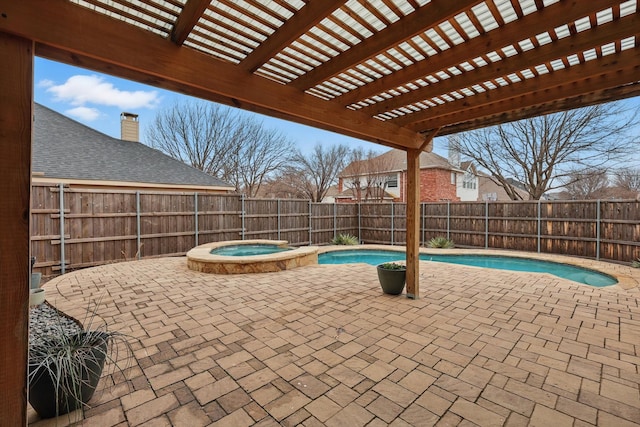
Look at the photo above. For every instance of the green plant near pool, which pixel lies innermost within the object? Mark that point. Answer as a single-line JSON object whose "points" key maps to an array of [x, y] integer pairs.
{"points": [[441, 242], [345, 239], [392, 266]]}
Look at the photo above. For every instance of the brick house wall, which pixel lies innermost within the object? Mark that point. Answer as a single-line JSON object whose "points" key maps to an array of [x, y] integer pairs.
{"points": [[435, 186]]}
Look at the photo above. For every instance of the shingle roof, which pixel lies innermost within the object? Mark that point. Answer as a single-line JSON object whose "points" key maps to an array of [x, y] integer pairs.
{"points": [[64, 148], [396, 160]]}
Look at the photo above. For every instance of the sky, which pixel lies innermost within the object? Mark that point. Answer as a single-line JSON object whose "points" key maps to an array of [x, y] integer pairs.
{"points": [[96, 100]]}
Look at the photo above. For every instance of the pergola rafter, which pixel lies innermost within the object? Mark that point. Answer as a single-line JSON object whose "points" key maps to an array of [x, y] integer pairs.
{"points": [[525, 28], [395, 73], [415, 23], [596, 75], [556, 50]]}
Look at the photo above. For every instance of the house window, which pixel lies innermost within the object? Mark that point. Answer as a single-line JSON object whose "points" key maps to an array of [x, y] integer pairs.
{"points": [[469, 181], [453, 178], [392, 181]]}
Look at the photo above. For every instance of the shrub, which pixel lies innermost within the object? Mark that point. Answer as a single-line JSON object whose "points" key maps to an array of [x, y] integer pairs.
{"points": [[392, 266], [345, 239], [635, 263], [441, 242]]}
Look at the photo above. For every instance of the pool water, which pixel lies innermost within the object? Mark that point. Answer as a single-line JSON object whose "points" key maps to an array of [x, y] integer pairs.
{"points": [[375, 257], [248, 250]]}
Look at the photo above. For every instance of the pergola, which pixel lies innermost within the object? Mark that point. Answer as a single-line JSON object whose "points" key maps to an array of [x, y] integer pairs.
{"points": [[393, 72]]}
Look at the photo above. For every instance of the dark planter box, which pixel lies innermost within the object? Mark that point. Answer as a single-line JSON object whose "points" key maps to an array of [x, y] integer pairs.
{"points": [[392, 281]]}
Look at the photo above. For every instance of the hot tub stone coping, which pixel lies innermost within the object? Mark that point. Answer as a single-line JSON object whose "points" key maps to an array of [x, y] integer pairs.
{"points": [[203, 253]]}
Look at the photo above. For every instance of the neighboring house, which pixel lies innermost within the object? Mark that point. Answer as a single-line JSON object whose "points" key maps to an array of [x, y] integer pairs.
{"points": [[68, 152], [331, 195], [385, 178], [467, 182], [489, 191]]}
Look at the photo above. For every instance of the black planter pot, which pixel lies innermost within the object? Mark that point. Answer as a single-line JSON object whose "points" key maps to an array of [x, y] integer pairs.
{"points": [[42, 387], [392, 281]]}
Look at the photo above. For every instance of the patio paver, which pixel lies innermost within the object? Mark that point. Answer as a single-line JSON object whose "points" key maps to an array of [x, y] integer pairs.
{"points": [[321, 345]]}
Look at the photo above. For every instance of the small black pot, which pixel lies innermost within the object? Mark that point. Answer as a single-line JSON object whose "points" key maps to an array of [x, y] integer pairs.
{"points": [[392, 281], [42, 389]]}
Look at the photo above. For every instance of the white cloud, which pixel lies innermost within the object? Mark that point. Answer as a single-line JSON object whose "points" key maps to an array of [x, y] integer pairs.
{"points": [[81, 89], [84, 113], [45, 83]]}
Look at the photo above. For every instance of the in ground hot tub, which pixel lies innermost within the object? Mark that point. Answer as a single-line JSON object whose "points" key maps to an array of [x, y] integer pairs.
{"points": [[249, 256]]}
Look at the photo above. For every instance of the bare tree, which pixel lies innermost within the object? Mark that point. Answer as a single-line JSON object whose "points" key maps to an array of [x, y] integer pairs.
{"points": [[628, 178], [314, 173], [367, 174], [542, 152], [627, 182], [257, 154], [196, 133], [586, 185], [229, 145]]}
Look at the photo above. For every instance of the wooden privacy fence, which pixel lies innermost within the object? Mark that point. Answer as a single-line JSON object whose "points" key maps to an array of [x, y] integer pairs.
{"points": [[74, 228]]}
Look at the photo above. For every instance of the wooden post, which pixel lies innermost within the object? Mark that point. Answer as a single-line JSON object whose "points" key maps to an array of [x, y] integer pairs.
{"points": [[413, 223], [16, 116]]}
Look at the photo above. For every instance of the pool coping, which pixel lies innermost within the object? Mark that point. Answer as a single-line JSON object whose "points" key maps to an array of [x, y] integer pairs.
{"points": [[626, 275]]}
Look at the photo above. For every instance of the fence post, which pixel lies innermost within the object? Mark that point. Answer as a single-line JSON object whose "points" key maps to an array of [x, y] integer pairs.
{"points": [[598, 219], [279, 219], [242, 216], [335, 220], [195, 208], [486, 224], [539, 226], [62, 254], [360, 224], [138, 231], [392, 227], [423, 208], [310, 238], [448, 219]]}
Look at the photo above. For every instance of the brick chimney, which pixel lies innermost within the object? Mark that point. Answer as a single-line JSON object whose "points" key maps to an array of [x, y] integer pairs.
{"points": [[129, 127]]}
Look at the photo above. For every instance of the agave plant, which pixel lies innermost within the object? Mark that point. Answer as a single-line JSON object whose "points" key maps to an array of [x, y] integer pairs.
{"points": [[345, 239], [65, 365], [441, 242]]}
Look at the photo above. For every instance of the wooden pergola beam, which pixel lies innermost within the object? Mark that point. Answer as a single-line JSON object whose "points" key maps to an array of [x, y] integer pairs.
{"points": [[415, 23], [188, 18], [585, 100], [16, 118], [310, 14], [598, 74], [529, 26], [596, 37], [82, 34], [509, 107]]}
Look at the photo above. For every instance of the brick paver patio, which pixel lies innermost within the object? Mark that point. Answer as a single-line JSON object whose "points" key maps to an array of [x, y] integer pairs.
{"points": [[321, 345]]}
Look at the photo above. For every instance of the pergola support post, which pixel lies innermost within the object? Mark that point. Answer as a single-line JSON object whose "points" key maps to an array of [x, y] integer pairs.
{"points": [[16, 118], [413, 223]]}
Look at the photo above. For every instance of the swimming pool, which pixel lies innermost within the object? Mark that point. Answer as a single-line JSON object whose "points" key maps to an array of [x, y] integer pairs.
{"points": [[571, 272]]}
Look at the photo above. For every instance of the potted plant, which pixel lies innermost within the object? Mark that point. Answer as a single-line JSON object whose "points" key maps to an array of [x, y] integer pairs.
{"points": [[65, 364], [392, 276]]}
